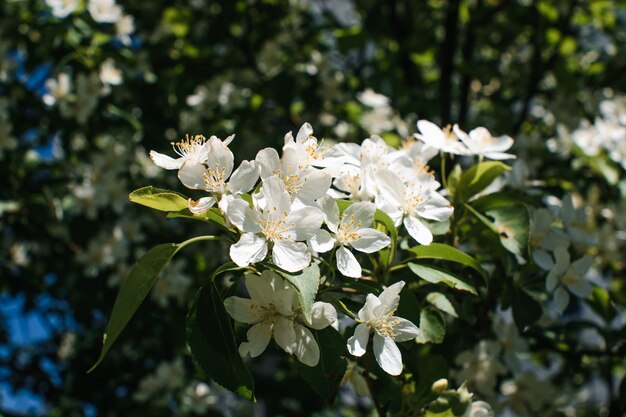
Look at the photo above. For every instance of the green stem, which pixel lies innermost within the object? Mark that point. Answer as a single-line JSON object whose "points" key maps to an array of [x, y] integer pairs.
{"points": [[200, 239], [444, 179]]}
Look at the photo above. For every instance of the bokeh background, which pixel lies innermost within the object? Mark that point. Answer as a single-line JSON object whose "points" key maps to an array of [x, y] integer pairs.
{"points": [[88, 87]]}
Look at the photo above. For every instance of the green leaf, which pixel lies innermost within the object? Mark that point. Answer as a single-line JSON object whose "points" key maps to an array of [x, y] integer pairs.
{"points": [[448, 253], [477, 178], [437, 275], [212, 215], [306, 285], [432, 327], [326, 376], [212, 342], [156, 198], [140, 280], [443, 303], [526, 310], [600, 302], [512, 223]]}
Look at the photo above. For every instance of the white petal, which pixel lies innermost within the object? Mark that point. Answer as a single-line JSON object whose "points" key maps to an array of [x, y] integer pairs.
{"points": [[543, 259], [418, 230], [291, 256], [285, 334], [228, 140], [370, 240], [250, 249], [259, 337], [347, 263], [243, 216], [561, 299], [276, 197], [244, 178], [362, 212], [316, 184], [201, 205], [261, 288], [406, 330], [243, 310], [191, 174], [268, 162], [358, 342], [307, 221], [322, 242], [372, 303], [305, 131], [331, 212], [164, 161], [220, 158], [323, 315], [499, 156], [387, 354], [307, 349], [389, 299], [391, 188]]}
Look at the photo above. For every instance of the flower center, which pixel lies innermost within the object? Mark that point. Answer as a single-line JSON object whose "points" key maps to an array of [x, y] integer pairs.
{"points": [[348, 229], [413, 202], [214, 179], [189, 147], [293, 180], [386, 325], [274, 225]]}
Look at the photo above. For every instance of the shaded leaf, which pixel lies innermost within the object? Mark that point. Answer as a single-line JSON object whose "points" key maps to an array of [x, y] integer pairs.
{"points": [[447, 253], [432, 327], [477, 178], [212, 342], [326, 376], [437, 275], [306, 285], [512, 223], [526, 310], [443, 303], [140, 280]]}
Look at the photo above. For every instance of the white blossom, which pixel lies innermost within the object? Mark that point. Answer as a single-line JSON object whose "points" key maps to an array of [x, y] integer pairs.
{"points": [[273, 221], [444, 140], [480, 142], [274, 311], [62, 8], [564, 274], [104, 11], [351, 229], [377, 316]]}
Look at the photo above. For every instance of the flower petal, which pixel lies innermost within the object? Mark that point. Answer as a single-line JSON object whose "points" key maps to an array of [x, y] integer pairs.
{"points": [[307, 349], [366, 313], [243, 310], [261, 288], [406, 330], [285, 334], [561, 299], [358, 342], [259, 337], [347, 263], [329, 208], [191, 174], [362, 212], [250, 249], [370, 240], [276, 197], [316, 184], [323, 315], [243, 216], [291, 256], [164, 161], [244, 178], [322, 242], [220, 158], [201, 205], [387, 354], [307, 221], [418, 230], [267, 162], [389, 299]]}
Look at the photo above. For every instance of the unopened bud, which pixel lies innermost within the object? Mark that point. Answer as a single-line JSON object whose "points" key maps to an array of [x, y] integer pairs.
{"points": [[440, 385]]}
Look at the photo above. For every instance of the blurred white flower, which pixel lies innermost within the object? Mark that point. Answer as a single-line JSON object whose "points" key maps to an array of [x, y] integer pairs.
{"points": [[58, 89], [125, 27], [62, 8], [564, 274], [480, 142], [104, 11], [110, 74], [444, 140]]}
